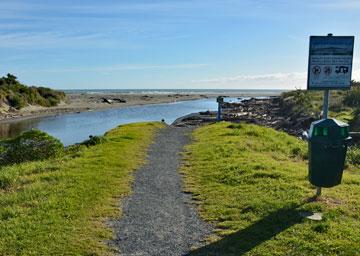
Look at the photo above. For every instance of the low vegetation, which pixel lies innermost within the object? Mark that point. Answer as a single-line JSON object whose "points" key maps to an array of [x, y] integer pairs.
{"points": [[353, 156], [60, 205], [344, 105], [29, 146], [17, 95], [251, 183]]}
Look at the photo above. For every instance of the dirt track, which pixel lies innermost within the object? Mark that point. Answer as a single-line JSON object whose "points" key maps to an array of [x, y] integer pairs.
{"points": [[158, 218]]}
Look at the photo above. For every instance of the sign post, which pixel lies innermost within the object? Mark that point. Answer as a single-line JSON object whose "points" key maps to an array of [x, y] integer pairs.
{"points": [[330, 62], [326, 104], [220, 101], [330, 67]]}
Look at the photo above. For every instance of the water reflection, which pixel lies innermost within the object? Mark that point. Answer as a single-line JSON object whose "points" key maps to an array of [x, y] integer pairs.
{"points": [[12, 129], [73, 128]]}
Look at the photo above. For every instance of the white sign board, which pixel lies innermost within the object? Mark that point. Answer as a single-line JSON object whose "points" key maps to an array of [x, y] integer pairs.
{"points": [[330, 62]]}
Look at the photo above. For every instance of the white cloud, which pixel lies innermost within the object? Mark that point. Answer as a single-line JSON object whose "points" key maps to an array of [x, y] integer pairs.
{"points": [[274, 80], [290, 80], [115, 68], [274, 76], [356, 74], [56, 39]]}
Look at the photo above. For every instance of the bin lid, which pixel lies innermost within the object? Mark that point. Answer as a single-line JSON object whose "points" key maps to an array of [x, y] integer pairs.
{"points": [[329, 128]]}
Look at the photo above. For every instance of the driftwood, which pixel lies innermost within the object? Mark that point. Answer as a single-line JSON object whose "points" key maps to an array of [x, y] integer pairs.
{"points": [[119, 100], [109, 101]]}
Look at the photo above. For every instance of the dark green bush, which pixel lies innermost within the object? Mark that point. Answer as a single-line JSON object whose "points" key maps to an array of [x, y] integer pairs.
{"points": [[16, 101], [94, 140], [30, 146]]}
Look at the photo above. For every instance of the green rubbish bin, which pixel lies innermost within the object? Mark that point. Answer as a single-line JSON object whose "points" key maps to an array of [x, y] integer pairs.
{"points": [[328, 141]]}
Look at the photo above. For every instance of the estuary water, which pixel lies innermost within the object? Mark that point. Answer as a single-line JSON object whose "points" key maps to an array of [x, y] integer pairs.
{"points": [[74, 128]]}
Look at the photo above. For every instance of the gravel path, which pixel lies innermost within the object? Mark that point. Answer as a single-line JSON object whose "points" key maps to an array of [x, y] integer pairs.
{"points": [[158, 218]]}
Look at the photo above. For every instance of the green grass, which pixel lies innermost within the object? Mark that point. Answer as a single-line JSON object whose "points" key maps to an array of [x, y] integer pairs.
{"points": [[251, 183], [60, 207]]}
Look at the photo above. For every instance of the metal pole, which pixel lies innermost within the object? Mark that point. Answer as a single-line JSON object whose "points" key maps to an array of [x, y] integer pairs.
{"points": [[325, 116], [219, 112], [326, 104], [318, 191]]}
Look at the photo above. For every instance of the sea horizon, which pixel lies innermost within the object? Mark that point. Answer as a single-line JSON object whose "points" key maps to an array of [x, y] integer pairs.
{"points": [[173, 91]]}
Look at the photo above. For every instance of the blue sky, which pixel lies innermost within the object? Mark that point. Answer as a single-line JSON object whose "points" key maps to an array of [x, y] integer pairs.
{"points": [[231, 44]]}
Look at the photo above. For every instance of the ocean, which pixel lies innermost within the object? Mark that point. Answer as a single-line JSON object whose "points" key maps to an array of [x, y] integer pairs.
{"points": [[247, 92]]}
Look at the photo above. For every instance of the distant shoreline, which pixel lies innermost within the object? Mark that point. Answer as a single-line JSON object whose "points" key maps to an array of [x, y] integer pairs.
{"points": [[87, 102], [174, 91]]}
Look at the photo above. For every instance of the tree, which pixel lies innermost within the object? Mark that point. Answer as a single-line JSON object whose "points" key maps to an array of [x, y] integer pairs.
{"points": [[10, 79]]}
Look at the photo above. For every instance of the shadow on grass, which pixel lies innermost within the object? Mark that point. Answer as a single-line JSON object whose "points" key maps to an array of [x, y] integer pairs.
{"points": [[244, 240]]}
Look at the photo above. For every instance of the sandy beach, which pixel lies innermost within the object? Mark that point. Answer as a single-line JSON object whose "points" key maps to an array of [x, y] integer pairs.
{"points": [[81, 102]]}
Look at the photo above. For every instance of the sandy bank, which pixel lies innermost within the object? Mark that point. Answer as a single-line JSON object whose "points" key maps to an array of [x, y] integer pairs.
{"points": [[81, 102]]}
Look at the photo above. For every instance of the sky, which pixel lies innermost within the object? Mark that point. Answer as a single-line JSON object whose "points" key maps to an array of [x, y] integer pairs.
{"points": [[168, 44]]}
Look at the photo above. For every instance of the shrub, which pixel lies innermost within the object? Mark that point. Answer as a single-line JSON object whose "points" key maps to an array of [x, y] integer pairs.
{"points": [[352, 97], [52, 97], [94, 140], [336, 105], [18, 95], [30, 146], [16, 101], [355, 122], [298, 101]]}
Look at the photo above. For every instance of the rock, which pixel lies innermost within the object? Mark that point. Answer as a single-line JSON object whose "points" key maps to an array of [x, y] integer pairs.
{"points": [[312, 216], [205, 113], [146, 97], [264, 112]]}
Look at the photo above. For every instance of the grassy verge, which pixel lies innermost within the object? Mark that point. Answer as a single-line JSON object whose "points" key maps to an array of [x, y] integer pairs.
{"points": [[251, 183], [59, 207]]}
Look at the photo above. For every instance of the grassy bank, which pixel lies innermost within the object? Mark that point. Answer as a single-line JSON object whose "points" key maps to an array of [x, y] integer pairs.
{"points": [[59, 206], [251, 183]]}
